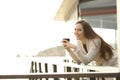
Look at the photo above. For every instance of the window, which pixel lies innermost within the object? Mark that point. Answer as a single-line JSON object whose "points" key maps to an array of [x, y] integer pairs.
{"points": [[101, 14]]}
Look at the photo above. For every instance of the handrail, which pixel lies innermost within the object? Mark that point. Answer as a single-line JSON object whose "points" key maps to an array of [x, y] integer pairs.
{"points": [[59, 75], [46, 70], [73, 71]]}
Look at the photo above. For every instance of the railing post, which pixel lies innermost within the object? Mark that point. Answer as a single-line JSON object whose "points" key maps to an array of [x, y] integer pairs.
{"points": [[40, 71], [69, 70], [93, 78], [76, 70], [55, 70], [33, 69], [46, 69]]}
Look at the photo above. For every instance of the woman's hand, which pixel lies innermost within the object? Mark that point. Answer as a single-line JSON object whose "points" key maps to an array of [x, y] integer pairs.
{"points": [[67, 44]]}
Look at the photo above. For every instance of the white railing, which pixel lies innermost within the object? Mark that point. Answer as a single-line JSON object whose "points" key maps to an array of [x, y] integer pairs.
{"points": [[56, 68]]}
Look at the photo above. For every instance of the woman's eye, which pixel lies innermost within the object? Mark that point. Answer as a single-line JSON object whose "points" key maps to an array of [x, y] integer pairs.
{"points": [[79, 30], [75, 29]]}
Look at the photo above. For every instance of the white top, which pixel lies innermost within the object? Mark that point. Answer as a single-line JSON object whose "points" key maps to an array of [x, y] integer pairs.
{"points": [[93, 47]]}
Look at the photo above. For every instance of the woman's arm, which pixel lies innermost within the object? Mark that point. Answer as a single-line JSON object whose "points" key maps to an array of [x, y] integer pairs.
{"points": [[74, 57], [92, 52], [67, 45]]}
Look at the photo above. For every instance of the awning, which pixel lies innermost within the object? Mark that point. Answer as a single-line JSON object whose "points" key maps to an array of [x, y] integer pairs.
{"points": [[66, 9]]}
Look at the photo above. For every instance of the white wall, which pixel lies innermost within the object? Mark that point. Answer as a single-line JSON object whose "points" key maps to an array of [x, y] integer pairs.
{"points": [[118, 24]]}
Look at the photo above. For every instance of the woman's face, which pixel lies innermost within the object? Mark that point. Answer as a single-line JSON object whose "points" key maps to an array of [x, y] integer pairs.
{"points": [[79, 32]]}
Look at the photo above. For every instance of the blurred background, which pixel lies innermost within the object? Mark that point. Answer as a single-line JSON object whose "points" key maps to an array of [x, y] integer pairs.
{"points": [[28, 27]]}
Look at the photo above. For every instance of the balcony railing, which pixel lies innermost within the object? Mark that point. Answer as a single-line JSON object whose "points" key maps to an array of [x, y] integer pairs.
{"points": [[59, 75], [42, 69]]}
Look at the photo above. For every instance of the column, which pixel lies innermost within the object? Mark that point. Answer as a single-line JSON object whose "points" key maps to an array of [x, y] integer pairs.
{"points": [[118, 33]]}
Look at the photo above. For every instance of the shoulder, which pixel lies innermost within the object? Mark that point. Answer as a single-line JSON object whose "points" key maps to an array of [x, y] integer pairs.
{"points": [[96, 42]]}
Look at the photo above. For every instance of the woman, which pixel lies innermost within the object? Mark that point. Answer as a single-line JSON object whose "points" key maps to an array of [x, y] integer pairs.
{"points": [[90, 47]]}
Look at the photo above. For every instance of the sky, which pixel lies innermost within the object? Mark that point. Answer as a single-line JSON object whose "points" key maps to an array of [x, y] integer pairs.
{"points": [[27, 26]]}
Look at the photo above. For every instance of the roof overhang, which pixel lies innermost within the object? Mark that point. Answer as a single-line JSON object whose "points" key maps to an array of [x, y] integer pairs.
{"points": [[65, 10]]}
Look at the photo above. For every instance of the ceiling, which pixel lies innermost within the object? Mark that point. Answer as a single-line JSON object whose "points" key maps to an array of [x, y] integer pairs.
{"points": [[65, 10], [68, 6]]}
